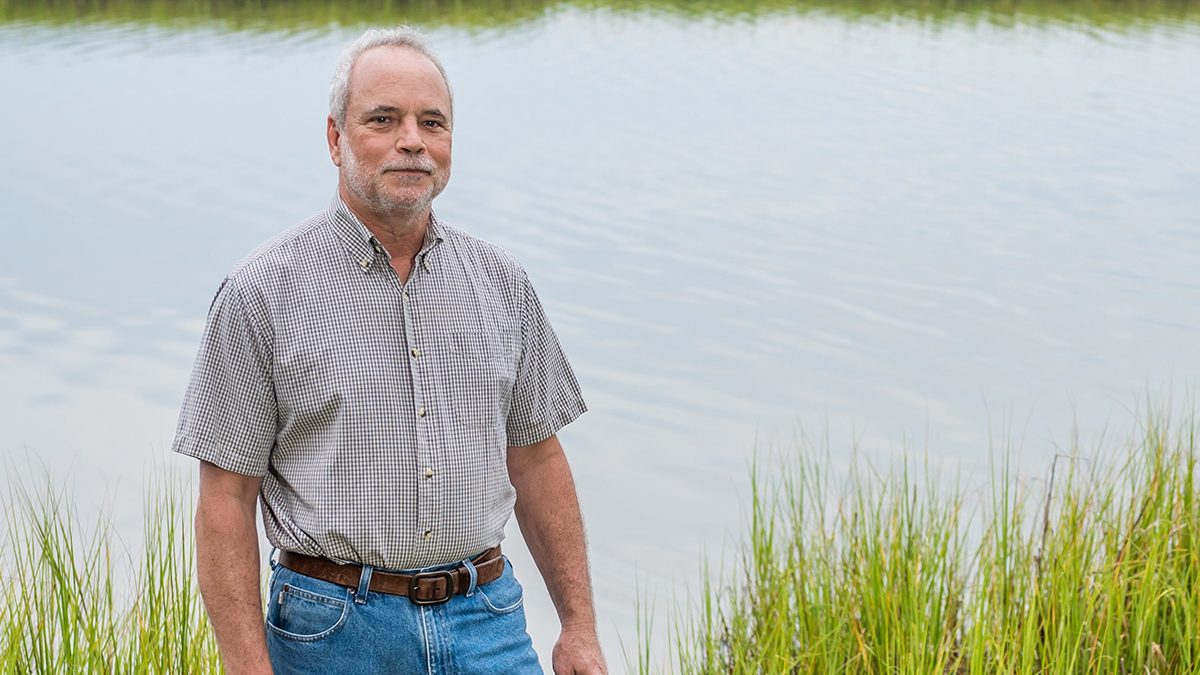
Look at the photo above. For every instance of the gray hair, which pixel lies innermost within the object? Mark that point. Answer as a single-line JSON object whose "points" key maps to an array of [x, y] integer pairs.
{"points": [[402, 36]]}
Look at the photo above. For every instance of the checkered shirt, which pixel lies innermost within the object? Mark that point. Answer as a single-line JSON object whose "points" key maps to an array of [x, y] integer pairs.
{"points": [[379, 413]]}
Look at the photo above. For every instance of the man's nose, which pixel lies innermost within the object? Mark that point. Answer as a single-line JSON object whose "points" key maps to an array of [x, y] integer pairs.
{"points": [[410, 139]]}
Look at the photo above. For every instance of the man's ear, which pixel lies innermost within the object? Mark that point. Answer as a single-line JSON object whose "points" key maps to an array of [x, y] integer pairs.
{"points": [[334, 136]]}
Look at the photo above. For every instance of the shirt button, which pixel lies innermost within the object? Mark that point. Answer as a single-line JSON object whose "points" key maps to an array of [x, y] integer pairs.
{"points": [[404, 294], [365, 263], [421, 411], [428, 473], [415, 352], [428, 535]]}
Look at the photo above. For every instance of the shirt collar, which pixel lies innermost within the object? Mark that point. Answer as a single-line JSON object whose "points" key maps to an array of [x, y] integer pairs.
{"points": [[363, 247]]}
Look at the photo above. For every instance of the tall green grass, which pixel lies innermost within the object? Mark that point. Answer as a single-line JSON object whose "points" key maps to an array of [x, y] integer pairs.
{"points": [[1094, 570], [75, 602]]}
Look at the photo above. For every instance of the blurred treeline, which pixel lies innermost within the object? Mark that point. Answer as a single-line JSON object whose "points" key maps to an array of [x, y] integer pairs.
{"points": [[324, 14]]}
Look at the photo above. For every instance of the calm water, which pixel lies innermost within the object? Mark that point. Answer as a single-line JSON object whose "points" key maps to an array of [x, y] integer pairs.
{"points": [[917, 233]]}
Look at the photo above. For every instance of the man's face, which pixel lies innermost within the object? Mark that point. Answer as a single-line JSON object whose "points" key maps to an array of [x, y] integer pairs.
{"points": [[393, 152]]}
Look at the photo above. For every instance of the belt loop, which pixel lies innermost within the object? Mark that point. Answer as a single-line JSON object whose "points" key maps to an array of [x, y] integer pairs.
{"points": [[364, 584], [474, 576], [273, 558]]}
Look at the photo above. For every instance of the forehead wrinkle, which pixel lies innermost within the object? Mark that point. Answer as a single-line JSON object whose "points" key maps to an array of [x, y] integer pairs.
{"points": [[440, 76]]}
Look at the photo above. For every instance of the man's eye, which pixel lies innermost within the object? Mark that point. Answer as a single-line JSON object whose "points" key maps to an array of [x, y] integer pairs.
{"points": [[433, 123], [380, 119]]}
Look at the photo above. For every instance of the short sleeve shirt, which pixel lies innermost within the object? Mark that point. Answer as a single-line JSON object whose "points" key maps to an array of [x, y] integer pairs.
{"points": [[378, 412]]}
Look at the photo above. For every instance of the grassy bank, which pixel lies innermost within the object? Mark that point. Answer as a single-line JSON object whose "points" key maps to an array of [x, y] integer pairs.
{"points": [[1094, 570], [74, 601]]}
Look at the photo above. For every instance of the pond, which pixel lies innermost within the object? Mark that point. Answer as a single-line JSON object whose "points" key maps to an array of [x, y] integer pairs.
{"points": [[929, 230]]}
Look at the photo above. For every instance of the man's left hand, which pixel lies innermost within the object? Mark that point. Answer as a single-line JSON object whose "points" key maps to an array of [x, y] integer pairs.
{"points": [[578, 652]]}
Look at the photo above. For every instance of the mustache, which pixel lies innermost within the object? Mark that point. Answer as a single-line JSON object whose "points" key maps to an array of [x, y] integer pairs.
{"points": [[415, 165]]}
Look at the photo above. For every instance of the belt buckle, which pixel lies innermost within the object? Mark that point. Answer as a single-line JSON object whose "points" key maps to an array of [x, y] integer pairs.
{"points": [[413, 587]]}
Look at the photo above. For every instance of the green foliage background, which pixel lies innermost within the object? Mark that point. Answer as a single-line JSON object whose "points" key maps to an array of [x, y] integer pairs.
{"points": [[324, 14]]}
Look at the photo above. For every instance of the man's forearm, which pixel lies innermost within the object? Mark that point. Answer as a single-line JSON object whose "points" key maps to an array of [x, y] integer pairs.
{"points": [[547, 511], [228, 571]]}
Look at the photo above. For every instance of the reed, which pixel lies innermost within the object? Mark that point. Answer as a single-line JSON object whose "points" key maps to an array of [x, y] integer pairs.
{"points": [[1097, 570], [75, 602]]}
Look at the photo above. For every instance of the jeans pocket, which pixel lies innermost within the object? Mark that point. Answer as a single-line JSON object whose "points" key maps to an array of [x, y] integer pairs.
{"points": [[305, 616], [504, 595]]}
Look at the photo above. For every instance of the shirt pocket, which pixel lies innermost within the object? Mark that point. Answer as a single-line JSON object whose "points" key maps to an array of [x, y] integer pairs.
{"points": [[480, 369]]}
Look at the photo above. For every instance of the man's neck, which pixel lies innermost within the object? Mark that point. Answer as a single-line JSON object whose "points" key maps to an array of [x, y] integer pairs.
{"points": [[401, 234]]}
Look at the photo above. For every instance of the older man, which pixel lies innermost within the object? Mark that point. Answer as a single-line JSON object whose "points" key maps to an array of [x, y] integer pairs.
{"points": [[389, 388]]}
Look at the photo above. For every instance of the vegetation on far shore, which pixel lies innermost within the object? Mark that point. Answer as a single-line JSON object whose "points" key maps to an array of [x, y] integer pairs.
{"points": [[320, 15]]}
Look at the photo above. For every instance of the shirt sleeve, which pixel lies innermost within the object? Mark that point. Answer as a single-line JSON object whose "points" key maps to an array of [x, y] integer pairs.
{"points": [[229, 415], [546, 395]]}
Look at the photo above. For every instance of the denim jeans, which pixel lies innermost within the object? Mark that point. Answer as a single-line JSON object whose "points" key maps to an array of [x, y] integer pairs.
{"points": [[318, 627]]}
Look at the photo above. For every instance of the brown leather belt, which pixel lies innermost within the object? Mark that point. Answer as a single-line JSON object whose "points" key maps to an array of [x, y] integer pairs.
{"points": [[423, 588]]}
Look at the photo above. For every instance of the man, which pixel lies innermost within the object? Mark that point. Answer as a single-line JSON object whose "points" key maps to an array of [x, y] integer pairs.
{"points": [[390, 389]]}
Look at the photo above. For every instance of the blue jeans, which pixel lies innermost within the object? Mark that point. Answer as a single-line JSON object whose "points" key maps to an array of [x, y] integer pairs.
{"points": [[318, 627]]}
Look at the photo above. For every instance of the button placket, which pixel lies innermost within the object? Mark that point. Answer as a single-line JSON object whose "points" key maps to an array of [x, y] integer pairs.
{"points": [[428, 497]]}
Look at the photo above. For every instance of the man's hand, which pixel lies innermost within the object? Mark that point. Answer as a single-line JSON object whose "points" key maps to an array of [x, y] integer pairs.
{"points": [[548, 513], [578, 653]]}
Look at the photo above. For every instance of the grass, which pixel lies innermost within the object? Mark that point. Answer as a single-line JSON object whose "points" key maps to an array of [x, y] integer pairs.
{"points": [[1096, 570], [63, 608]]}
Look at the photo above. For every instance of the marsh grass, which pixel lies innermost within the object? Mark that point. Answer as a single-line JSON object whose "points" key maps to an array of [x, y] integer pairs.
{"points": [[74, 601], [1094, 570]]}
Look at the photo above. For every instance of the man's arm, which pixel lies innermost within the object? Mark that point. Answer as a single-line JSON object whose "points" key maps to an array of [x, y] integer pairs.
{"points": [[227, 565], [548, 514]]}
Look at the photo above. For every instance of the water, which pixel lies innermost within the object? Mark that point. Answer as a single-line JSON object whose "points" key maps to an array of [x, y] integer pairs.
{"points": [[914, 231]]}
